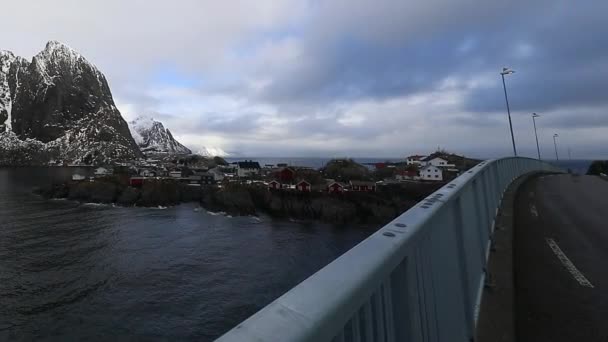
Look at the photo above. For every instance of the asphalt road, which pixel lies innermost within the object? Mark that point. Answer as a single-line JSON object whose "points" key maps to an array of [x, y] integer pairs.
{"points": [[561, 259]]}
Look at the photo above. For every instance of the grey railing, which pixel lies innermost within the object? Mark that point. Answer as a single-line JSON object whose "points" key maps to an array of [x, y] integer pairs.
{"points": [[419, 278]]}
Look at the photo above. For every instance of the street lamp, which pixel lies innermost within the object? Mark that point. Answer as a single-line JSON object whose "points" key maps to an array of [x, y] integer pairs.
{"points": [[534, 116], [555, 144], [507, 71]]}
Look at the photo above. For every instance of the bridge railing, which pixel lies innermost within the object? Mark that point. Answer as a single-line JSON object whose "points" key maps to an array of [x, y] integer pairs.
{"points": [[419, 278]]}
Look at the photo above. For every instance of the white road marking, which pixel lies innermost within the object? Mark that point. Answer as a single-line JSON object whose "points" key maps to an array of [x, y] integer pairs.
{"points": [[578, 276], [533, 210]]}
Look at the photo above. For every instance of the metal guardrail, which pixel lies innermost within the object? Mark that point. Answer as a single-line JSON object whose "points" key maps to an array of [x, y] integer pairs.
{"points": [[419, 278]]}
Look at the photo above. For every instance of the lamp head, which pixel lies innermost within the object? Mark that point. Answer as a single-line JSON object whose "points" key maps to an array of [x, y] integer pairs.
{"points": [[506, 71], [534, 115]]}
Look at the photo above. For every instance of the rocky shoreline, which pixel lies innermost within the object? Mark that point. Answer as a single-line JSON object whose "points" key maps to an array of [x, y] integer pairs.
{"points": [[238, 199]]}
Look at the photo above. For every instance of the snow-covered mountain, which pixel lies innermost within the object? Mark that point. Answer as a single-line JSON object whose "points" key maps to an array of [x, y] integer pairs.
{"points": [[152, 137], [212, 152], [59, 107]]}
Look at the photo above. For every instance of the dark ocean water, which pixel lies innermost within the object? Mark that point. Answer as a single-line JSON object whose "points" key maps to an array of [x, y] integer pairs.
{"points": [[309, 162], [90, 272]]}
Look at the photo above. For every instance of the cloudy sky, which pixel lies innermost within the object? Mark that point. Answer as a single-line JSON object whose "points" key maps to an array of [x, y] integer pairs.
{"points": [[383, 78]]}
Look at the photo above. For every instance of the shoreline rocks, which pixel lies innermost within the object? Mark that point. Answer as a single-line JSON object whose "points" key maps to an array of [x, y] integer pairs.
{"points": [[243, 200]]}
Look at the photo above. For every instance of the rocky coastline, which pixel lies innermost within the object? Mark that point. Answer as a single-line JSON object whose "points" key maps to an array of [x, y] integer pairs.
{"points": [[239, 199]]}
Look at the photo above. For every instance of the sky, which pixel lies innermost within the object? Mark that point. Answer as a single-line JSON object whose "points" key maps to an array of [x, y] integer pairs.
{"points": [[343, 78]]}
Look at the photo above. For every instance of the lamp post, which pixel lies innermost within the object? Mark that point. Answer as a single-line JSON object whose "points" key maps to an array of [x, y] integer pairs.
{"points": [[555, 144], [534, 116], [507, 71]]}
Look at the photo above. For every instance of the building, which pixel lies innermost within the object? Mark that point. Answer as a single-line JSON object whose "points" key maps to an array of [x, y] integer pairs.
{"points": [[303, 186], [136, 182], [78, 177], [414, 160], [217, 173], [436, 161], [207, 178], [247, 168], [363, 186], [274, 185], [407, 175], [432, 173], [286, 175], [335, 188], [147, 173], [175, 174], [102, 172], [196, 180]]}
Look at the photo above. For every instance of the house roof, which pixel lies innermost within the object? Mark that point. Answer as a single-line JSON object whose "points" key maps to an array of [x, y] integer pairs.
{"points": [[336, 183], [302, 181], [362, 183], [248, 164], [416, 157], [431, 157]]}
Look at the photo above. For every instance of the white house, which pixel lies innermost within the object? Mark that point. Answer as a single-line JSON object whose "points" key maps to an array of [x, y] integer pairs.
{"points": [[78, 177], [437, 161], [175, 174], [431, 172], [247, 168], [102, 171], [147, 173], [218, 175], [414, 160]]}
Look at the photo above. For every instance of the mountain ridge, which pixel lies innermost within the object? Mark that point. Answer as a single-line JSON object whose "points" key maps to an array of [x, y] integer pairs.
{"points": [[152, 137], [59, 107]]}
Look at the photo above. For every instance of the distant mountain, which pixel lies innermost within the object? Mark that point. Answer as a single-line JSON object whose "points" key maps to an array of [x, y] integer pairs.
{"points": [[152, 137], [212, 152], [58, 107]]}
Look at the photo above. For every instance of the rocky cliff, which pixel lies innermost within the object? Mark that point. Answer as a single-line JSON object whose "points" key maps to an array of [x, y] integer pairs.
{"points": [[59, 107]]}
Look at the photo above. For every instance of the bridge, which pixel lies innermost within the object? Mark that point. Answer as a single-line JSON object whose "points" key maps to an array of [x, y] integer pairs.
{"points": [[423, 276]]}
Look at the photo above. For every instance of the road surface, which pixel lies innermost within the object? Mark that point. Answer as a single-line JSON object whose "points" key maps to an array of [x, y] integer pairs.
{"points": [[561, 259]]}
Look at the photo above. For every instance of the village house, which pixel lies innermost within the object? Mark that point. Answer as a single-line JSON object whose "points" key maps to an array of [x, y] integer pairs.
{"points": [[217, 173], [303, 186], [247, 168], [207, 178], [437, 161], [147, 173], [175, 174], [363, 186], [432, 173], [335, 188], [78, 177], [102, 172], [136, 182], [414, 160], [274, 185], [404, 175], [286, 175]]}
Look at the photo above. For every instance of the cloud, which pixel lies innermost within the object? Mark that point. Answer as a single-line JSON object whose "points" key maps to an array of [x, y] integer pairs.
{"points": [[342, 77]]}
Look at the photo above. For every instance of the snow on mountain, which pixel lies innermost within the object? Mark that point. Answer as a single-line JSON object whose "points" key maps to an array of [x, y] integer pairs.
{"points": [[6, 61], [153, 137], [212, 152], [59, 107]]}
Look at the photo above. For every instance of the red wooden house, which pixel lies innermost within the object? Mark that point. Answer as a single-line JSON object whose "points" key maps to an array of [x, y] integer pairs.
{"points": [[303, 186], [274, 185], [335, 187], [362, 186], [287, 175], [136, 181]]}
